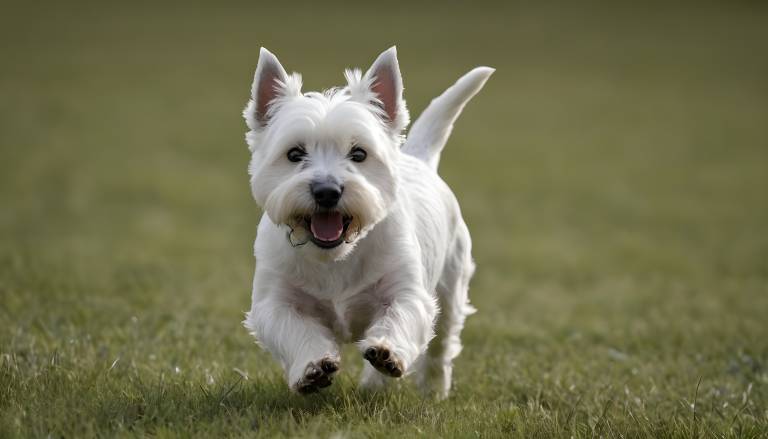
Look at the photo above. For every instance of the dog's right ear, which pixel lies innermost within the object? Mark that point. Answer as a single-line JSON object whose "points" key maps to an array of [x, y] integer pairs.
{"points": [[270, 83]]}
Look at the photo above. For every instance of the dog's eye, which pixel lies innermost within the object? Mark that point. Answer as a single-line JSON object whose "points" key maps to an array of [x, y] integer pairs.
{"points": [[296, 154], [357, 154]]}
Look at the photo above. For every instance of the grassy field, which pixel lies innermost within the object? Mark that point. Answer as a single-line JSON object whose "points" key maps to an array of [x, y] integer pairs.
{"points": [[614, 174]]}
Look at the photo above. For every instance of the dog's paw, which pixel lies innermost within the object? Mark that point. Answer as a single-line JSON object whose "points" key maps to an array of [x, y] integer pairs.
{"points": [[318, 374], [384, 360]]}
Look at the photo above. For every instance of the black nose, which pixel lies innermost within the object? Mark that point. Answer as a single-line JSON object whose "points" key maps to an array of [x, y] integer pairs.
{"points": [[326, 194]]}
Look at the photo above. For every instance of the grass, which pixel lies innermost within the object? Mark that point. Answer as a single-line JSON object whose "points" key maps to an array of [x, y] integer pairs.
{"points": [[613, 174]]}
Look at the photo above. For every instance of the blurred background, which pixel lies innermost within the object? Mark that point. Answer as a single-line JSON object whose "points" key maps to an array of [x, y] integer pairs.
{"points": [[613, 174]]}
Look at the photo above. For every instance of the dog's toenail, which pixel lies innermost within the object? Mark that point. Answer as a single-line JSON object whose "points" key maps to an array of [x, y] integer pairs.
{"points": [[313, 373], [324, 381], [329, 366]]}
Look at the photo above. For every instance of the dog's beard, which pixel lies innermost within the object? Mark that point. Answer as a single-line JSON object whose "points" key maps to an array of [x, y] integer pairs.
{"points": [[360, 208]]}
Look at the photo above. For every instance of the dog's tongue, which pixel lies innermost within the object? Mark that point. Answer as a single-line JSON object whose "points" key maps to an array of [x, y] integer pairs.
{"points": [[327, 226]]}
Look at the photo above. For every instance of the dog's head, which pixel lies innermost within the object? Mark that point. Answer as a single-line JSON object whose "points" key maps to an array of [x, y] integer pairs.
{"points": [[323, 165]]}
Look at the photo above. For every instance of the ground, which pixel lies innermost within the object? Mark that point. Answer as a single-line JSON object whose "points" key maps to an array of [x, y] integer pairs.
{"points": [[613, 174]]}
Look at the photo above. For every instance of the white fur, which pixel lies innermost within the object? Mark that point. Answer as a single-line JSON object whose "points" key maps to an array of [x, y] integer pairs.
{"points": [[401, 278]]}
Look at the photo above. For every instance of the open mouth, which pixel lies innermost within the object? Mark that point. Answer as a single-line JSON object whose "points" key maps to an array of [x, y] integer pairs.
{"points": [[328, 229]]}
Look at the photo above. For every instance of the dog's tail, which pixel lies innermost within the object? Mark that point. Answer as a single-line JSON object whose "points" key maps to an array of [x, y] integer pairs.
{"points": [[431, 130]]}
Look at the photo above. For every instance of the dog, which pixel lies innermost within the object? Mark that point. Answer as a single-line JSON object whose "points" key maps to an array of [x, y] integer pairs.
{"points": [[360, 240]]}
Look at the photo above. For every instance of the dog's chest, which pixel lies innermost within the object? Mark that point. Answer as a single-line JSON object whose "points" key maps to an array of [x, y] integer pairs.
{"points": [[345, 295], [347, 309], [336, 283], [339, 280]]}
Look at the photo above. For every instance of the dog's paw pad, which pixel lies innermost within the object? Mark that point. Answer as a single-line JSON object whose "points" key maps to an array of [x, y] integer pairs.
{"points": [[329, 366], [317, 375], [384, 361]]}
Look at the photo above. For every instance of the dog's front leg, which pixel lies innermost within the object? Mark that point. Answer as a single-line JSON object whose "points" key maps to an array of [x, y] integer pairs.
{"points": [[403, 327], [296, 338]]}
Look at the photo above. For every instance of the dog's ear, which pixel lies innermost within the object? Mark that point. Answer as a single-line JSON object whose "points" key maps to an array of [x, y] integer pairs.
{"points": [[385, 87], [270, 83]]}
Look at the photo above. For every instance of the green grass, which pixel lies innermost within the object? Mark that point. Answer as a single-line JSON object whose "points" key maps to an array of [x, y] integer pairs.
{"points": [[614, 174]]}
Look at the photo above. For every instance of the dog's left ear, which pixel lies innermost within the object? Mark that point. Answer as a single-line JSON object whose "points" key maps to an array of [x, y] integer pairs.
{"points": [[385, 89]]}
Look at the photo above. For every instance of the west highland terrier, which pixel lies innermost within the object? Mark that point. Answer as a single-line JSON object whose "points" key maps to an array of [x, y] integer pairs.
{"points": [[361, 240]]}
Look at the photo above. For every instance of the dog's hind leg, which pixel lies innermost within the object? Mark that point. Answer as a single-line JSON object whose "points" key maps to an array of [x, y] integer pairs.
{"points": [[436, 366]]}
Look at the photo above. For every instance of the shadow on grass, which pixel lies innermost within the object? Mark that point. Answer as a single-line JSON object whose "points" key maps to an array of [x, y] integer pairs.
{"points": [[245, 405]]}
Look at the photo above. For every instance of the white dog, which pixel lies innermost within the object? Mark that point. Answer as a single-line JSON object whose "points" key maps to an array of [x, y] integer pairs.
{"points": [[361, 240]]}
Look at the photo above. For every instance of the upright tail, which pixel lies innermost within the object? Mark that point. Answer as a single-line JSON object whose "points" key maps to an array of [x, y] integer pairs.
{"points": [[431, 130]]}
